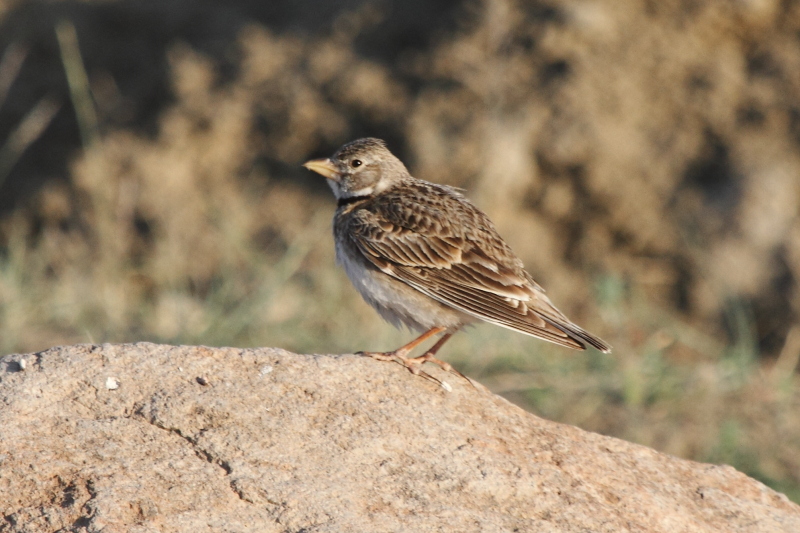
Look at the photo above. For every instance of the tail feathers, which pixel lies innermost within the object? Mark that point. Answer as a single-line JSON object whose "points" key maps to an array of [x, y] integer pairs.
{"points": [[581, 336]]}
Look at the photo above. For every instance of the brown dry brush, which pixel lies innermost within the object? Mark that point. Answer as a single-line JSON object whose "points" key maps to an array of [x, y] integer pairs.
{"points": [[642, 158]]}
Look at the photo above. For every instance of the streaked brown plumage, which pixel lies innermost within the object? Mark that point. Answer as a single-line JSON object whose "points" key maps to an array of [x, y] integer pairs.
{"points": [[427, 258]]}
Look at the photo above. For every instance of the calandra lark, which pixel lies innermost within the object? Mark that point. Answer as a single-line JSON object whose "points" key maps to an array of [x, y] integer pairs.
{"points": [[423, 256]]}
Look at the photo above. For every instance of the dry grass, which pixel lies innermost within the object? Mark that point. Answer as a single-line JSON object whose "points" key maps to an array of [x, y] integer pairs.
{"points": [[643, 165]]}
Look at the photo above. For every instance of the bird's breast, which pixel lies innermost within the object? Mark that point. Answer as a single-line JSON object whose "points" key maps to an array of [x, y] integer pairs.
{"points": [[397, 302]]}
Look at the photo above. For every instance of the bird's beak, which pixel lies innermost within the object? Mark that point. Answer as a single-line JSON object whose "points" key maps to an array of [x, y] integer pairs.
{"points": [[324, 167]]}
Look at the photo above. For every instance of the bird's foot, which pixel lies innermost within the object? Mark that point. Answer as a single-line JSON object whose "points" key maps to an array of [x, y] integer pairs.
{"points": [[414, 364], [399, 356], [444, 365]]}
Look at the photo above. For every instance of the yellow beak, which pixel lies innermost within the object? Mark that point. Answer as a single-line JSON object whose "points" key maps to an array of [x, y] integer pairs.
{"points": [[324, 167]]}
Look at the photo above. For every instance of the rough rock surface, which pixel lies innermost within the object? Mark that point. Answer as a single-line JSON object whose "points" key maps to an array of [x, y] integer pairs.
{"points": [[145, 437]]}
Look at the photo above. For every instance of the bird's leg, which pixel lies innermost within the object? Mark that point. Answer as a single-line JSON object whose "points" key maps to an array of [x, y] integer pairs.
{"points": [[429, 356], [404, 350], [413, 365]]}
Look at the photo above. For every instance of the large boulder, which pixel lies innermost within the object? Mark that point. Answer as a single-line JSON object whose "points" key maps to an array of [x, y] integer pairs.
{"points": [[143, 437]]}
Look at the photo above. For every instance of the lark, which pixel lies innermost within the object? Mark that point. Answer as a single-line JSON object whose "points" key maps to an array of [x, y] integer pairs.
{"points": [[426, 258]]}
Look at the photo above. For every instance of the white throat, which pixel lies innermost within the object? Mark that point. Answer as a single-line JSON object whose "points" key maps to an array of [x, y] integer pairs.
{"points": [[376, 188], [340, 194]]}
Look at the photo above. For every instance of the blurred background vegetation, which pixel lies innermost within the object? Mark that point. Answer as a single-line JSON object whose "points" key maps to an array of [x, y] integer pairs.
{"points": [[643, 158]]}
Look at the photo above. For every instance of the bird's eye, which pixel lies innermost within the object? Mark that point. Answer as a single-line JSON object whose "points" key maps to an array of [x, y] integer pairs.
{"points": [[356, 163]]}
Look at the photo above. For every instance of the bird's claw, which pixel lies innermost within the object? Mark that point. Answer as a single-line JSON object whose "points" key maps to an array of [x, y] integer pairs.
{"points": [[414, 365]]}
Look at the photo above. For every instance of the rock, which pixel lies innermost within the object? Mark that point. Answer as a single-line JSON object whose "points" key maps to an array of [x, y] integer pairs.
{"points": [[275, 441]]}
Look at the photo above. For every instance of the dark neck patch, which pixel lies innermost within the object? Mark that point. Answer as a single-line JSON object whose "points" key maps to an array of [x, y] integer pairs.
{"points": [[343, 202]]}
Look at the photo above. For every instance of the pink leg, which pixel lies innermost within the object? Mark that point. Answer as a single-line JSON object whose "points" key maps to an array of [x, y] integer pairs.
{"points": [[429, 356], [414, 365]]}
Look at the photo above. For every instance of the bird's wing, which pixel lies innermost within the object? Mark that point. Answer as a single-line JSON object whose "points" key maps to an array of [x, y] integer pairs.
{"points": [[473, 271]]}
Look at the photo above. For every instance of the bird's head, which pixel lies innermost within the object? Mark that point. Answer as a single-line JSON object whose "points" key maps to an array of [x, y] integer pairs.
{"points": [[360, 168]]}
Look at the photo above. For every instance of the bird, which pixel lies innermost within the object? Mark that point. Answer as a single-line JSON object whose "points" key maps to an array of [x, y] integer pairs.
{"points": [[427, 258]]}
